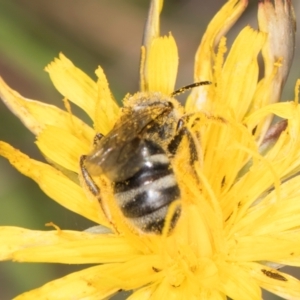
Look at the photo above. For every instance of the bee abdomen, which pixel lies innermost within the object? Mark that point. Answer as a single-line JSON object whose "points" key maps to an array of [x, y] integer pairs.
{"points": [[145, 200], [145, 197], [155, 221], [148, 173], [147, 206]]}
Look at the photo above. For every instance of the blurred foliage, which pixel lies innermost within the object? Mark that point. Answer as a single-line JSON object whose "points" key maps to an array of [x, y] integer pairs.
{"points": [[90, 33]]}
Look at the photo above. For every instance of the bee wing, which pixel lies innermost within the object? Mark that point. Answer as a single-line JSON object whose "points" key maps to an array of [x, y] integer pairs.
{"points": [[119, 152], [134, 122]]}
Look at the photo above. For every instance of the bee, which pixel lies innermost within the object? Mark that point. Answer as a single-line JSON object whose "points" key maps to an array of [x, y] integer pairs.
{"points": [[136, 156]]}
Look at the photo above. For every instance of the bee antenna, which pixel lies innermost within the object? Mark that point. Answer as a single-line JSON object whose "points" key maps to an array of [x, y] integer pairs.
{"points": [[190, 86]]}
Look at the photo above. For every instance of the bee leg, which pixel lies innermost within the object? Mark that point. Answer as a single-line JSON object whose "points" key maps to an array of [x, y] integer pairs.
{"points": [[182, 131], [97, 138], [93, 188]]}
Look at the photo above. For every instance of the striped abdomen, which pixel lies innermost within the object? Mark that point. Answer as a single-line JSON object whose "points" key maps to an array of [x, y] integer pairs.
{"points": [[145, 197]]}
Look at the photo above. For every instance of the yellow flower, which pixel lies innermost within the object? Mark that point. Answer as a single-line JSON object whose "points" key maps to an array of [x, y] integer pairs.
{"points": [[240, 201]]}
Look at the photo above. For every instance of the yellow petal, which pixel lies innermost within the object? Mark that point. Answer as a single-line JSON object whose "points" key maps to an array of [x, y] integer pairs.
{"points": [[162, 65], [246, 191], [275, 248], [226, 146], [273, 215], [165, 291], [150, 33], [280, 162], [284, 154], [231, 96], [237, 283], [142, 293], [134, 273], [73, 84], [285, 110], [54, 184], [274, 281], [205, 56], [290, 256], [219, 25], [69, 151], [36, 115], [85, 284], [106, 110], [187, 290], [98, 282], [235, 93], [61, 246]]}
